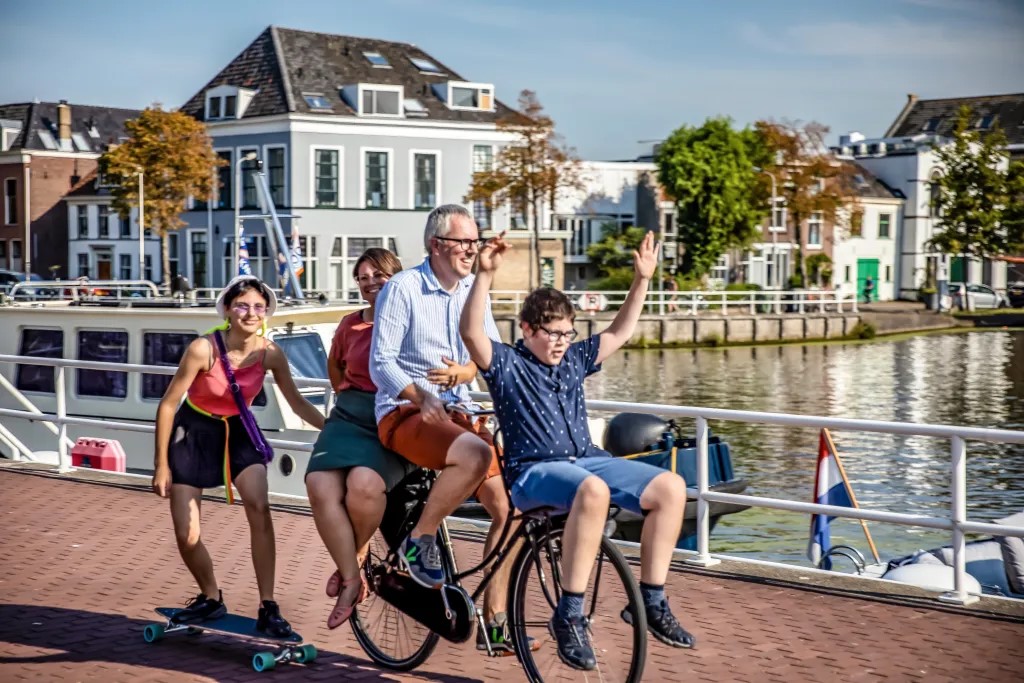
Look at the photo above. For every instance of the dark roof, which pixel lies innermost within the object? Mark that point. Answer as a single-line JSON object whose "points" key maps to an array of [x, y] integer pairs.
{"points": [[106, 122], [939, 116], [284, 64], [867, 185]]}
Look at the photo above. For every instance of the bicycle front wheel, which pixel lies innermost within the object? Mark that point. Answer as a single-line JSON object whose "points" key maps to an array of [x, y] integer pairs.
{"points": [[619, 646], [389, 637]]}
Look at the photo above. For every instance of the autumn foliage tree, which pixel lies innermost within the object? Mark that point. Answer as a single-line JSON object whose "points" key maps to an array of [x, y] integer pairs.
{"points": [[529, 173], [811, 180], [176, 158]]}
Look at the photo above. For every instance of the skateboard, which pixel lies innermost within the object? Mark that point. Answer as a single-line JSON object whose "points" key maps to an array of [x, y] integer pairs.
{"points": [[288, 649]]}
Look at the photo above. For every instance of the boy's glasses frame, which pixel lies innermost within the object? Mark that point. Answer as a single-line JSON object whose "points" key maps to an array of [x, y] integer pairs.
{"points": [[556, 335]]}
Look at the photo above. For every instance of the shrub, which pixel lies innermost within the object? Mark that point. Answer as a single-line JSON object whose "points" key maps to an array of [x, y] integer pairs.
{"points": [[862, 330]]}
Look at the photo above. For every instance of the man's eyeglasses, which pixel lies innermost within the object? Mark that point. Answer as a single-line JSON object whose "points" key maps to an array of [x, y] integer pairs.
{"points": [[554, 335], [464, 245], [243, 309]]}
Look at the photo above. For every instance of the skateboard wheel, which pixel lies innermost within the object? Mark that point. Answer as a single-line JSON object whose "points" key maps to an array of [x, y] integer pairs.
{"points": [[305, 654], [263, 661], [153, 633]]}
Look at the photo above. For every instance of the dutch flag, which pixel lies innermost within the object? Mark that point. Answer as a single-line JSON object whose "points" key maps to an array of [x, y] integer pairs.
{"points": [[829, 489]]}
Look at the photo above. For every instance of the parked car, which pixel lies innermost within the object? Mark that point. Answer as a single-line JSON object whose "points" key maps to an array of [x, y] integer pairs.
{"points": [[982, 296], [9, 278], [1015, 294]]}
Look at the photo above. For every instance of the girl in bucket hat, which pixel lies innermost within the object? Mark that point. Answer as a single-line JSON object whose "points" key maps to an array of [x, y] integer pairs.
{"points": [[203, 442]]}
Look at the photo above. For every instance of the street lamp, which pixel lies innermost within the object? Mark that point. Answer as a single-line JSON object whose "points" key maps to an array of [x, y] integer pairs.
{"points": [[238, 205], [771, 225], [142, 222]]}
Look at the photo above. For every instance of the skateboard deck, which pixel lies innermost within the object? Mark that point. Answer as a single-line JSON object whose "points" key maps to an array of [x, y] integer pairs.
{"points": [[289, 648]]}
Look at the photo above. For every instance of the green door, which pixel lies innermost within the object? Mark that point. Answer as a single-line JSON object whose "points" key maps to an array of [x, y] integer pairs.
{"points": [[956, 269], [867, 267]]}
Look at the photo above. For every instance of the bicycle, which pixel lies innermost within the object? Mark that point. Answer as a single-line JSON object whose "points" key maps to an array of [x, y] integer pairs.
{"points": [[401, 622]]}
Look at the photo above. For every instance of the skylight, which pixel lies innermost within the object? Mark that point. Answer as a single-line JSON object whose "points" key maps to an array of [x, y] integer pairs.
{"points": [[414, 107], [932, 124], [377, 59], [985, 122], [46, 137], [316, 101], [80, 142], [425, 65]]}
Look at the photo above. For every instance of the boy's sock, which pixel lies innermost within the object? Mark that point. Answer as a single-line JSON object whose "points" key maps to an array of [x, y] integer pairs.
{"points": [[570, 605], [653, 595]]}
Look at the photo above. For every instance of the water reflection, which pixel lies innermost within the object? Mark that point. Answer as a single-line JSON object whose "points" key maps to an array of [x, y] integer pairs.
{"points": [[974, 379]]}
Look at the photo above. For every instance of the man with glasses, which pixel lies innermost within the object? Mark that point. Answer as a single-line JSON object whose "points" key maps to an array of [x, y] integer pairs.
{"points": [[550, 461], [416, 330]]}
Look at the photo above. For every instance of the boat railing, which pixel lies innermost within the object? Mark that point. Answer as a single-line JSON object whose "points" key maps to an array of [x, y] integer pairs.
{"points": [[83, 290], [956, 522]]}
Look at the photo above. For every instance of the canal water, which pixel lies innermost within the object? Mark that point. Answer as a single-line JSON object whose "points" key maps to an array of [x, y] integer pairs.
{"points": [[969, 378]]}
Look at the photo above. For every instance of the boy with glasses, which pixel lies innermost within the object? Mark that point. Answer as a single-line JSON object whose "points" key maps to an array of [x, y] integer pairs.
{"points": [[550, 461]]}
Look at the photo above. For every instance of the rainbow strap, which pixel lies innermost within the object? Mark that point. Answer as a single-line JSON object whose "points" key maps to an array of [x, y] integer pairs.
{"points": [[228, 494]]}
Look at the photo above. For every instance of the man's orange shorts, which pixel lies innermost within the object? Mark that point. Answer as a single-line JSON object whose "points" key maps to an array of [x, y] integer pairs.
{"points": [[404, 432]]}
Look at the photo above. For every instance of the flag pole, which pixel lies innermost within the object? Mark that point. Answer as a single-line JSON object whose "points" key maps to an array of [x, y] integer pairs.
{"points": [[849, 489]]}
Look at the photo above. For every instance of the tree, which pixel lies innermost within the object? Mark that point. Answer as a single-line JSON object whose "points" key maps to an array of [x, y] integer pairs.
{"points": [[530, 172], [710, 173], [811, 180], [979, 194], [176, 158]]}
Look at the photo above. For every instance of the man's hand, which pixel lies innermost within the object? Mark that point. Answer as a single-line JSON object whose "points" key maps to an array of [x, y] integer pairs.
{"points": [[492, 254], [432, 409], [452, 375], [162, 481], [645, 259]]}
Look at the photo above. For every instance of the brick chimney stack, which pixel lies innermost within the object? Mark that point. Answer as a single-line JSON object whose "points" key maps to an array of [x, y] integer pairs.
{"points": [[64, 124]]}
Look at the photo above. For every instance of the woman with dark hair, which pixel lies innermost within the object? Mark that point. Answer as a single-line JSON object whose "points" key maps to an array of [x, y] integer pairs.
{"points": [[350, 472], [203, 443]]}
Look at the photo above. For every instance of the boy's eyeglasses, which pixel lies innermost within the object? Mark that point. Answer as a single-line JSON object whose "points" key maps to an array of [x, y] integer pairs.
{"points": [[243, 309], [464, 245], [554, 335]]}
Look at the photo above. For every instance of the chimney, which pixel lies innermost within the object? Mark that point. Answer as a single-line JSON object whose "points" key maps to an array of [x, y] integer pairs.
{"points": [[64, 123]]}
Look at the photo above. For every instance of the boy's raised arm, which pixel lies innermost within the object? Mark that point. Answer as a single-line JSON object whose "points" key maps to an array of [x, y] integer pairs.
{"points": [[645, 261], [471, 324]]}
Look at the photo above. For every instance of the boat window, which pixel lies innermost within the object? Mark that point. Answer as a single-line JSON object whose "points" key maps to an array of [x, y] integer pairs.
{"points": [[306, 358], [108, 346], [43, 344], [162, 348]]}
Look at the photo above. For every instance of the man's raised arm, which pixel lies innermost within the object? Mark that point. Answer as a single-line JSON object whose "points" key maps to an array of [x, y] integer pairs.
{"points": [[476, 324]]}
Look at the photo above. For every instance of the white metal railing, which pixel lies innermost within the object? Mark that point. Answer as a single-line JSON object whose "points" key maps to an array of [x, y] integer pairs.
{"points": [[956, 521], [78, 290], [693, 302]]}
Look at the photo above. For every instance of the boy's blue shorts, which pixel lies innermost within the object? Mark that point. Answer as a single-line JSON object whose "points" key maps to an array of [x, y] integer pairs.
{"points": [[553, 483]]}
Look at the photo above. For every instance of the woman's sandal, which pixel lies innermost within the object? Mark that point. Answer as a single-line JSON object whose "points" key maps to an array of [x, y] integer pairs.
{"points": [[341, 613]]}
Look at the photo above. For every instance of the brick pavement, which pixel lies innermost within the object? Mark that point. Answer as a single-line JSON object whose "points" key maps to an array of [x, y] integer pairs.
{"points": [[82, 565]]}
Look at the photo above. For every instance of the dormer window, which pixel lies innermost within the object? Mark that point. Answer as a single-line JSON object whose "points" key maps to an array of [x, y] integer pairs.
{"points": [[985, 122], [227, 102], [378, 60], [471, 96], [213, 108], [932, 125], [374, 99]]}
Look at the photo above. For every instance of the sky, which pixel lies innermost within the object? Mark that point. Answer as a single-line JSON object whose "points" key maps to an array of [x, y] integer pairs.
{"points": [[615, 75]]}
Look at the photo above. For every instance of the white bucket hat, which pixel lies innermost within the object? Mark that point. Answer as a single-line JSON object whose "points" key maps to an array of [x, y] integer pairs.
{"points": [[267, 292]]}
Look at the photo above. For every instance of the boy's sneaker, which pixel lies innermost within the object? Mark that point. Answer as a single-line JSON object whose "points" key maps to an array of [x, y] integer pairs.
{"points": [[422, 561], [270, 621], [574, 646], [664, 626], [201, 608]]}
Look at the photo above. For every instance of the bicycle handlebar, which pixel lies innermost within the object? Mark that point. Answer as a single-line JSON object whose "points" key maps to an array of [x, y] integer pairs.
{"points": [[470, 409]]}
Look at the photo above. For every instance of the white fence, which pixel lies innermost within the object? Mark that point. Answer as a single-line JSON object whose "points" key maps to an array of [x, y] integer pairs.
{"points": [[956, 522]]}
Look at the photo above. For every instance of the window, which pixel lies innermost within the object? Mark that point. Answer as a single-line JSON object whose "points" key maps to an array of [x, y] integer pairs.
{"points": [[16, 250], [932, 124], [172, 254], [213, 108], [83, 265], [225, 182], [123, 226], [985, 122], [230, 106], [162, 348], [248, 180], [260, 261], [425, 65], [317, 101], [344, 253], [3, 251], [83, 222], [307, 249], [46, 137], [197, 248], [720, 271], [425, 181], [11, 201], [275, 175], [778, 216], [103, 222], [377, 59], [40, 344], [814, 230], [888, 273], [934, 195], [884, 220], [483, 160], [846, 274], [414, 107], [469, 96], [108, 346], [377, 180], [81, 144], [381, 102], [147, 274], [326, 177], [125, 266], [670, 224]]}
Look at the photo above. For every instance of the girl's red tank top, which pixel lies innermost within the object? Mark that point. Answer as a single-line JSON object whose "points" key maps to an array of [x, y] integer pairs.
{"points": [[210, 391]]}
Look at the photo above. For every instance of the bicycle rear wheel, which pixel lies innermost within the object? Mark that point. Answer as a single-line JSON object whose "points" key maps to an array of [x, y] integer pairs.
{"points": [[389, 637], [535, 584]]}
